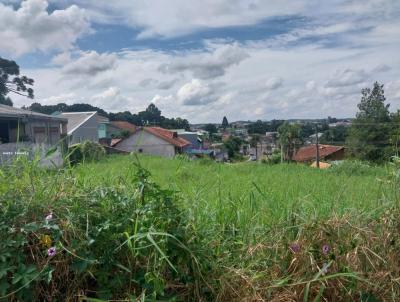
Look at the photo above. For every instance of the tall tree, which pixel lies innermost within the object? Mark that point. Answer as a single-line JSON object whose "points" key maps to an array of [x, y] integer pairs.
{"points": [[290, 139], [225, 123], [151, 116], [11, 81], [255, 139], [369, 134]]}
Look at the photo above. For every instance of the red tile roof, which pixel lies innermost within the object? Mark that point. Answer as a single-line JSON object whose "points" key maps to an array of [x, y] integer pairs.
{"points": [[167, 135], [310, 152], [124, 126]]}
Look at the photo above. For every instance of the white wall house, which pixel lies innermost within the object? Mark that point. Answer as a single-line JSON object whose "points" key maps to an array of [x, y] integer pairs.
{"points": [[154, 141]]}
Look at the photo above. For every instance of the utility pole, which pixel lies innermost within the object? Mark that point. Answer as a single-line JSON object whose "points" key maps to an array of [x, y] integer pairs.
{"points": [[317, 144]]}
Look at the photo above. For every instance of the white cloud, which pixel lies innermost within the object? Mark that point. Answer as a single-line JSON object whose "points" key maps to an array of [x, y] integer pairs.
{"points": [[195, 92], [347, 77], [179, 17], [90, 63], [31, 27], [207, 65]]}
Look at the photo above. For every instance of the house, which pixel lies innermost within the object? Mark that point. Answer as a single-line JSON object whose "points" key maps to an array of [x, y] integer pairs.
{"points": [[29, 131], [154, 141], [82, 126], [308, 153], [196, 142]]}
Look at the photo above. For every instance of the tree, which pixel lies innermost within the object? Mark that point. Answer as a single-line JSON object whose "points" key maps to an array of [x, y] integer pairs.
{"points": [[259, 127], [255, 139], [210, 128], [5, 100], [151, 116], [369, 133], [225, 123], [289, 139], [233, 145], [11, 81], [335, 135], [395, 133]]}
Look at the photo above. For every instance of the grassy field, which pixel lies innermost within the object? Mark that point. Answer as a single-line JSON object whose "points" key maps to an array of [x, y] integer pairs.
{"points": [[248, 195], [199, 231]]}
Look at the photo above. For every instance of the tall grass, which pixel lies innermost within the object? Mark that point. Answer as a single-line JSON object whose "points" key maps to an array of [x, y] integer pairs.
{"points": [[199, 231]]}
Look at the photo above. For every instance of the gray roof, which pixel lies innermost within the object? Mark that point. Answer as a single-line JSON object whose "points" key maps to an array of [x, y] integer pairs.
{"points": [[8, 111], [75, 119]]}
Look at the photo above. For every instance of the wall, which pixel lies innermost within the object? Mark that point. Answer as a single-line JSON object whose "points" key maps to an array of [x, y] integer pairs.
{"points": [[43, 132], [87, 131], [10, 151], [148, 144]]}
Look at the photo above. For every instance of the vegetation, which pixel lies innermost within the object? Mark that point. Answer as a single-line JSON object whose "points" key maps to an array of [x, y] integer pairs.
{"points": [[11, 81], [290, 139], [232, 146], [249, 232], [225, 123], [370, 133], [150, 117], [87, 151], [260, 127]]}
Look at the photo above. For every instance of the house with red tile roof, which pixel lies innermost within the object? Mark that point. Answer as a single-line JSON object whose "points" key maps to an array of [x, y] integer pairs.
{"points": [[308, 153], [154, 141]]}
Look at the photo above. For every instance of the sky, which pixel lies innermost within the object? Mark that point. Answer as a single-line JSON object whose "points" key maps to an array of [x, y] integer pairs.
{"points": [[202, 60]]}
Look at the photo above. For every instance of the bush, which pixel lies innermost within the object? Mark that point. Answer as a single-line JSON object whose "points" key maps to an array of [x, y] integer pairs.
{"points": [[68, 239], [275, 158], [351, 167], [87, 151]]}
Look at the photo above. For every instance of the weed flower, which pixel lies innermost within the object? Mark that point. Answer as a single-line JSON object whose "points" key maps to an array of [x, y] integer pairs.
{"points": [[51, 251], [49, 216], [295, 247], [326, 249], [45, 240]]}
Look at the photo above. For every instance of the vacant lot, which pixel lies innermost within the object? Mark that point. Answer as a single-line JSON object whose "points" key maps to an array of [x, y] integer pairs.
{"points": [[171, 229]]}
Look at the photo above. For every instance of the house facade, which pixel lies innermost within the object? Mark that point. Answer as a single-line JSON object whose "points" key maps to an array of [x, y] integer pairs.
{"points": [[308, 153], [154, 141], [28, 132], [82, 126]]}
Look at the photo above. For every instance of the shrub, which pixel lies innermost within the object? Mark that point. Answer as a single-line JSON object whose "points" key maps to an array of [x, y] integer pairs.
{"points": [[85, 152], [67, 239], [351, 167]]}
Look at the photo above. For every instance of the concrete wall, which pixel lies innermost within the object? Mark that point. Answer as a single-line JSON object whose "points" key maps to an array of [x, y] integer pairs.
{"points": [[88, 131], [10, 151], [147, 143]]}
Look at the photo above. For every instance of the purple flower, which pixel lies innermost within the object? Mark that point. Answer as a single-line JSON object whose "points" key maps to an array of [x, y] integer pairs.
{"points": [[326, 249], [51, 251], [49, 216], [295, 247]]}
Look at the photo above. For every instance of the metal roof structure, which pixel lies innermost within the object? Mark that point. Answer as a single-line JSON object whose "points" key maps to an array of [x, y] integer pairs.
{"points": [[76, 119], [13, 112]]}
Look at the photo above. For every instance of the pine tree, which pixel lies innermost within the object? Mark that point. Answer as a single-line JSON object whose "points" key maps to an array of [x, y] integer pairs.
{"points": [[225, 123], [370, 131]]}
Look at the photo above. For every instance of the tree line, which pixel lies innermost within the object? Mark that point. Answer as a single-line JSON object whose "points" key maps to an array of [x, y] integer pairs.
{"points": [[151, 116]]}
